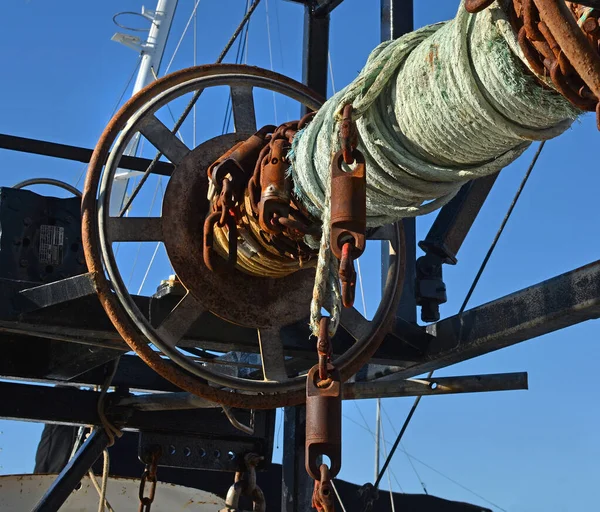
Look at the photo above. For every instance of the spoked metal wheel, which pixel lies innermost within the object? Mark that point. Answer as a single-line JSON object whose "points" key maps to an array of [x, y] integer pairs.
{"points": [[271, 306]]}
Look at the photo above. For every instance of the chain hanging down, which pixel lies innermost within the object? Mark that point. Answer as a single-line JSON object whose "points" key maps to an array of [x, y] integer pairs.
{"points": [[323, 421], [149, 476], [245, 485]]}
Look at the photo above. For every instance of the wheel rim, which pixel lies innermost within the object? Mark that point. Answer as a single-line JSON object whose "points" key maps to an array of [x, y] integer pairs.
{"points": [[119, 305]]}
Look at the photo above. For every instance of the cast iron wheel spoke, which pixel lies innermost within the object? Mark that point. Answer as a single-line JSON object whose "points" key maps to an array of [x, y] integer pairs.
{"points": [[242, 104], [163, 139], [134, 229], [271, 354], [179, 321], [353, 322]]}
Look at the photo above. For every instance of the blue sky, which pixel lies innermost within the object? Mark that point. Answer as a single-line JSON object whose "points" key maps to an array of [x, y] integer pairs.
{"points": [[526, 451]]}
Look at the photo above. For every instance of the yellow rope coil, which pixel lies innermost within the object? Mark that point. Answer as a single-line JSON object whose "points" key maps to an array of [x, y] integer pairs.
{"points": [[266, 262]]}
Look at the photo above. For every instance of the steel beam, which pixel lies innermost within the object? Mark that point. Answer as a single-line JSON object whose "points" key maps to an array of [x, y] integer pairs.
{"points": [[455, 219], [297, 486], [559, 302], [73, 472], [77, 154], [397, 19], [55, 405], [392, 388], [315, 50]]}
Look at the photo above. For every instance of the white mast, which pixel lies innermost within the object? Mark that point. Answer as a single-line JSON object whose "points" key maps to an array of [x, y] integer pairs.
{"points": [[151, 51]]}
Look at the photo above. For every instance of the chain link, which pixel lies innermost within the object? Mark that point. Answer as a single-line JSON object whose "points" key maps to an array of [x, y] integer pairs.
{"points": [[322, 498], [149, 476]]}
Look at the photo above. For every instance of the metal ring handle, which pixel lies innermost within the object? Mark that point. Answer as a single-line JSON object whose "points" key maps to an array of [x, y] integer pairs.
{"points": [[48, 181]]}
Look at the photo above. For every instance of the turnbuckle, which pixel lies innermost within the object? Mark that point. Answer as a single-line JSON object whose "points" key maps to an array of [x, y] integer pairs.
{"points": [[323, 421], [348, 218]]}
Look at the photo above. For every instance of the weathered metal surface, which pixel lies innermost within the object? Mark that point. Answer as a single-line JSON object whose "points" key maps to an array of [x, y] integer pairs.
{"points": [[134, 229], [391, 386], [230, 294], [564, 300], [276, 187], [323, 421], [164, 140], [47, 295], [202, 451], [454, 220], [75, 153], [348, 205], [474, 6]]}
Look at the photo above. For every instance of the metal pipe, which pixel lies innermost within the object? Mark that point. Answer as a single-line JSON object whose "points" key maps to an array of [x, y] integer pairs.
{"points": [[386, 387], [166, 402], [436, 386], [73, 472], [49, 181]]}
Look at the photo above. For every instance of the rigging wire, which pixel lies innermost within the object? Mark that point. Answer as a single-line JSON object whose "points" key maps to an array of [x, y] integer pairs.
{"points": [[189, 107], [388, 475], [158, 244], [337, 494], [268, 23], [368, 429], [137, 254], [468, 296], [500, 230], [130, 79], [427, 466], [242, 42], [187, 26], [408, 458]]}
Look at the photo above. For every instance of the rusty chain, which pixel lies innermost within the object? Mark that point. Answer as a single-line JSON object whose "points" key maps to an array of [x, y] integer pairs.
{"points": [[259, 167], [323, 421], [322, 498], [149, 476], [348, 205], [245, 485], [544, 53]]}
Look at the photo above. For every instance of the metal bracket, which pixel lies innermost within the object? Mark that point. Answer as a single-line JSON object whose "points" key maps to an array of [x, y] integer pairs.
{"points": [[195, 452]]}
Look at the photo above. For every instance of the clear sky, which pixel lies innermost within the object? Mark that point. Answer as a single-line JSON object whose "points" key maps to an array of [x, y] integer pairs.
{"points": [[526, 451]]}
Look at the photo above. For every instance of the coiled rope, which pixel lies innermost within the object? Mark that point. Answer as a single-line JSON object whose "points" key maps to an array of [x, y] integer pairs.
{"points": [[436, 108]]}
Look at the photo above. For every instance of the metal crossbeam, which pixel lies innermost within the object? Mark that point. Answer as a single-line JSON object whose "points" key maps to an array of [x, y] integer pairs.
{"points": [[559, 302]]}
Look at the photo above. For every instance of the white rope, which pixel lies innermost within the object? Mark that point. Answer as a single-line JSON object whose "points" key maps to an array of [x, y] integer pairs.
{"points": [[337, 495], [105, 470], [435, 108]]}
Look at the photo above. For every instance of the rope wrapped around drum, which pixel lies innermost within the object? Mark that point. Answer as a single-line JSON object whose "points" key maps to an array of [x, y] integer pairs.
{"points": [[244, 211], [436, 108]]}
